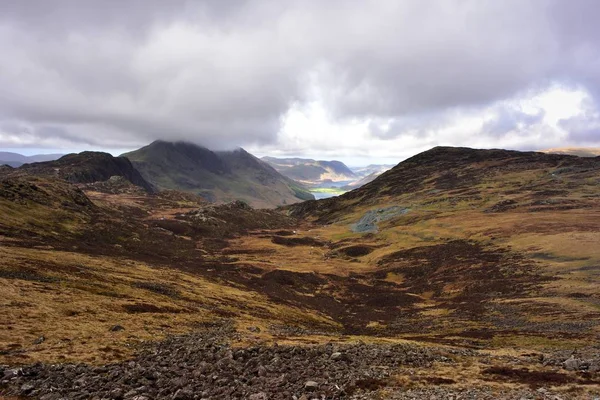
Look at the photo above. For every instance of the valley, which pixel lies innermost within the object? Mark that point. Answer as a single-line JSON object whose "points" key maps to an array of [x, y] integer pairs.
{"points": [[458, 273], [325, 179], [326, 192]]}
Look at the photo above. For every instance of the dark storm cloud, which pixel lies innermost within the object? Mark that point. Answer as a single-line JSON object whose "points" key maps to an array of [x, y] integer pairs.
{"points": [[223, 73]]}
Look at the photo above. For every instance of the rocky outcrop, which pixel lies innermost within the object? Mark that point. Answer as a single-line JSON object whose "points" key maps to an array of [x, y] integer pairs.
{"points": [[89, 167]]}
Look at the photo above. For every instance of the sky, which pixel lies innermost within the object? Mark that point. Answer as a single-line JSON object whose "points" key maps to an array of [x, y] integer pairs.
{"points": [[370, 81]]}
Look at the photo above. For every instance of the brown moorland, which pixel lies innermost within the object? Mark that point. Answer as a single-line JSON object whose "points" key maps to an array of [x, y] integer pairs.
{"points": [[488, 259]]}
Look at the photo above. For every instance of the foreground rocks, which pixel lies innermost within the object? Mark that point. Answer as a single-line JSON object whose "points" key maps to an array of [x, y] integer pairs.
{"points": [[204, 366]]}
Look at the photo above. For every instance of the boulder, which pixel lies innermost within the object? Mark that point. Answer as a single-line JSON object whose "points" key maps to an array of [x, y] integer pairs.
{"points": [[572, 364], [116, 328]]}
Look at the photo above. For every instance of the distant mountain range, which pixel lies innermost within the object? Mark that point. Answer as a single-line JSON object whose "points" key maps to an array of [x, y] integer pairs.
{"points": [[319, 174], [218, 176], [372, 169], [575, 151], [312, 172], [16, 160]]}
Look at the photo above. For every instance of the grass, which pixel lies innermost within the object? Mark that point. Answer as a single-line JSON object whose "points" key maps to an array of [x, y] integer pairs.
{"points": [[76, 312]]}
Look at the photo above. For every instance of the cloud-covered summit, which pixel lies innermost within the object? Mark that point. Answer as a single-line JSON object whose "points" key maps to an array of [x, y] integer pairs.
{"points": [[299, 76]]}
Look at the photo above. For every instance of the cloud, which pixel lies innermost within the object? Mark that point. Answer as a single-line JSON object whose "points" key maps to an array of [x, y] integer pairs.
{"points": [[583, 128], [228, 73], [509, 120]]}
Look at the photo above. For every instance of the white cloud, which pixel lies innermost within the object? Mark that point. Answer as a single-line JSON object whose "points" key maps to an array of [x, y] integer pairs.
{"points": [[530, 121]]}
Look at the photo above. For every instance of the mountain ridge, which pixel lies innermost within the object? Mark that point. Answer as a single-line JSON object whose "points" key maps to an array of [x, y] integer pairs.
{"points": [[219, 176], [88, 167]]}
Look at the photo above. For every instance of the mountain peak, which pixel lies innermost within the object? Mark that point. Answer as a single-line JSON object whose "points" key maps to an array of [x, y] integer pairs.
{"points": [[218, 176]]}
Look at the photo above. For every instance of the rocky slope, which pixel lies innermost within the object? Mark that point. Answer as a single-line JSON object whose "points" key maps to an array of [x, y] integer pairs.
{"points": [[217, 176], [88, 167]]}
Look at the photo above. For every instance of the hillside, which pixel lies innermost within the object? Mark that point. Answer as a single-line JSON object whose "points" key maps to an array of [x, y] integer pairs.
{"points": [[217, 176], [448, 174], [88, 167], [311, 172], [497, 245], [458, 273]]}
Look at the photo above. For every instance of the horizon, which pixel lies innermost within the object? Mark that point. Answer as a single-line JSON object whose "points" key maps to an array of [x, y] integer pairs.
{"points": [[348, 161]]}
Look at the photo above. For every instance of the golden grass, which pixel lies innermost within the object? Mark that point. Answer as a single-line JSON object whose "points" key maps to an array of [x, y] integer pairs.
{"points": [[558, 243], [273, 256], [92, 294]]}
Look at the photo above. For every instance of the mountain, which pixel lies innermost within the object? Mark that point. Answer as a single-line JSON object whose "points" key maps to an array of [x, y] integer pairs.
{"points": [[14, 164], [575, 151], [366, 174], [362, 181], [88, 167], [217, 176], [310, 171], [16, 160]]}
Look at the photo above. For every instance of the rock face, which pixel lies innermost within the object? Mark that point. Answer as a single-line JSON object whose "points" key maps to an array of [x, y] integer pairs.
{"points": [[89, 167]]}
